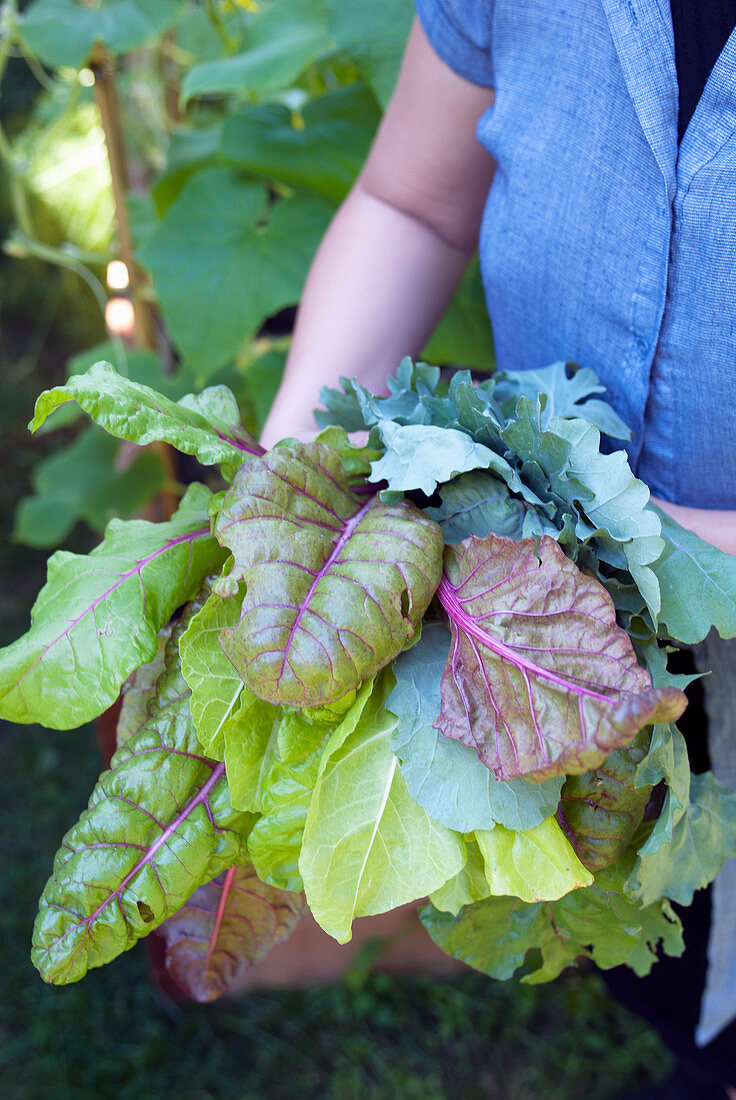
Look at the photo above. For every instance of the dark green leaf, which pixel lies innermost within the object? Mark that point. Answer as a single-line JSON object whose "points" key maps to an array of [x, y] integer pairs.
{"points": [[63, 32], [464, 336], [224, 259], [282, 40], [323, 154], [373, 36]]}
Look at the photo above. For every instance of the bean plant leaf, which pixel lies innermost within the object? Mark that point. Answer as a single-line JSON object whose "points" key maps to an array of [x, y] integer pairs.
{"points": [[367, 846], [335, 585], [280, 43], [536, 864], [322, 154], [223, 242], [227, 926], [62, 33], [83, 482], [98, 616], [373, 37], [597, 923], [464, 332], [540, 680], [702, 839], [601, 810], [419, 456], [698, 584], [158, 825], [445, 776], [137, 413]]}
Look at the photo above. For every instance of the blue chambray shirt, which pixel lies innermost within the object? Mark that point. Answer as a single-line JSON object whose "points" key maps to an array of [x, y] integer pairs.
{"points": [[606, 243]]}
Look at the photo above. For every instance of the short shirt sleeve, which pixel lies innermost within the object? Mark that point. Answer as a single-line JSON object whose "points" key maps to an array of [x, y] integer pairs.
{"points": [[460, 33]]}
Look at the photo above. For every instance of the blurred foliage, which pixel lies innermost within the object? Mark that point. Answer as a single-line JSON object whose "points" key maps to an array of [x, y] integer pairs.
{"points": [[245, 124]]}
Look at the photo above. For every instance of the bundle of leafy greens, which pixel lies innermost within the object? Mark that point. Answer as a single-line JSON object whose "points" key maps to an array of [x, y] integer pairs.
{"points": [[434, 665]]}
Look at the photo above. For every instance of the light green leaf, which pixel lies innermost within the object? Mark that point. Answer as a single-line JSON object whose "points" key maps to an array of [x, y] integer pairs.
{"points": [[251, 742], [442, 775], [323, 153], [367, 846], [83, 482], [698, 584], [130, 411], [419, 456], [159, 824], [62, 32], [282, 40], [702, 839], [373, 36], [224, 258], [597, 922], [138, 691], [287, 784], [536, 864], [666, 759], [218, 693], [469, 884], [97, 618]]}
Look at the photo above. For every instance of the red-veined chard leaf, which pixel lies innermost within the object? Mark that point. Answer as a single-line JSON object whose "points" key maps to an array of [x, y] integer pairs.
{"points": [[540, 680], [227, 926], [97, 617], [336, 584], [601, 810], [158, 825], [205, 425]]}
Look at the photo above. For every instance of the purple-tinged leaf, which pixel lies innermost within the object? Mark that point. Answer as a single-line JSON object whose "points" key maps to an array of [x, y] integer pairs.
{"points": [[540, 680], [159, 824], [227, 926], [336, 586], [97, 618], [601, 810]]}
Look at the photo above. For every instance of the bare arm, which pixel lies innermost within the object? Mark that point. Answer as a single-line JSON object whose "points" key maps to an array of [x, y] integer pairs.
{"points": [[397, 247]]}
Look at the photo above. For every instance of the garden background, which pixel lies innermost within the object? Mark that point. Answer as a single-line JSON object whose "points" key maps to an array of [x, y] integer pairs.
{"points": [[206, 144]]}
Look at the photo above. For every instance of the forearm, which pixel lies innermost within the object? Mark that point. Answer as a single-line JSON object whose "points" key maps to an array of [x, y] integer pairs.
{"points": [[379, 282], [715, 526]]}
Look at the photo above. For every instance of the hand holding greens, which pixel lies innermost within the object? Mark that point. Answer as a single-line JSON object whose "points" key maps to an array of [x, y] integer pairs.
{"points": [[356, 677]]}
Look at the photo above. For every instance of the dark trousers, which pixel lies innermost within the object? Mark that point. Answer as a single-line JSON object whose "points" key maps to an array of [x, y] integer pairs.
{"points": [[669, 998]]}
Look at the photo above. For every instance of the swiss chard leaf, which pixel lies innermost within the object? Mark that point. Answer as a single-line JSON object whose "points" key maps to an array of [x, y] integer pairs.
{"points": [[158, 825], [445, 776], [597, 922], [335, 586], [227, 926], [218, 693], [367, 846], [601, 810], [698, 584], [540, 680], [205, 425], [138, 691], [533, 864], [97, 618]]}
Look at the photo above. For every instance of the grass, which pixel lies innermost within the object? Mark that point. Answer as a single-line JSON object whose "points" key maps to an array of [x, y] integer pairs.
{"points": [[372, 1036]]}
